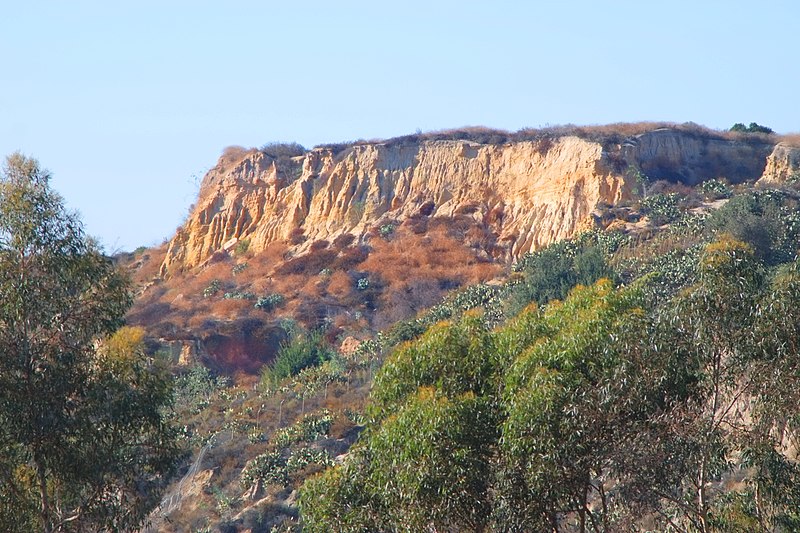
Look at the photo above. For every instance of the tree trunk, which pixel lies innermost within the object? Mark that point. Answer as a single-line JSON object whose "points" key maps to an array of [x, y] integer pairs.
{"points": [[45, 510]]}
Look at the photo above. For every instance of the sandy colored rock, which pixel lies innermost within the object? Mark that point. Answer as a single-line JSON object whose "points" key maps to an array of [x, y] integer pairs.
{"points": [[782, 164], [528, 193], [349, 345]]}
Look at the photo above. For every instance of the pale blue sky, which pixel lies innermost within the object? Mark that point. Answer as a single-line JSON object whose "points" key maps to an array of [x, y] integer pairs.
{"points": [[129, 103]]}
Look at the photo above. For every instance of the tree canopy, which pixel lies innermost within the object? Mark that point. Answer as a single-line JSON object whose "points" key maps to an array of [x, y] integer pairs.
{"points": [[85, 443], [608, 411]]}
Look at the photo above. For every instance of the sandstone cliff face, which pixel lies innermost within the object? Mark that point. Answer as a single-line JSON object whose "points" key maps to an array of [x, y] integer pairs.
{"points": [[782, 164], [529, 193]]}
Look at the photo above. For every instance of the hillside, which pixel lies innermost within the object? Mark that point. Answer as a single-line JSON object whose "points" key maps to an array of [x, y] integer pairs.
{"points": [[359, 236], [319, 251]]}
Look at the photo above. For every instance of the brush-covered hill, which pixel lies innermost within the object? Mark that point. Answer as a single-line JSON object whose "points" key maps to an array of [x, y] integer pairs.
{"points": [[274, 281], [361, 235]]}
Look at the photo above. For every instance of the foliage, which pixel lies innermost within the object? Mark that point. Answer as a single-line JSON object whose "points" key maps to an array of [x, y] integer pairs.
{"points": [[283, 150], [489, 297], [275, 467], [213, 288], [661, 208], [193, 389], [84, 443], [550, 273], [715, 189], [310, 428], [269, 302], [752, 128], [239, 295], [307, 350], [768, 220], [590, 413], [386, 230], [242, 246], [641, 179]]}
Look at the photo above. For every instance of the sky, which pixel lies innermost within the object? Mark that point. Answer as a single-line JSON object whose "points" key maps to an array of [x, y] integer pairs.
{"points": [[129, 103]]}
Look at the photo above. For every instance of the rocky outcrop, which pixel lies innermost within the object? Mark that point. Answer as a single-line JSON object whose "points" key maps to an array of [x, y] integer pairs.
{"points": [[783, 165], [528, 193], [691, 158]]}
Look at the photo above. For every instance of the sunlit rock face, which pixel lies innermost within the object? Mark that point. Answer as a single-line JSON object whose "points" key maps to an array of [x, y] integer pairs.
{"points": [[528, 193]]}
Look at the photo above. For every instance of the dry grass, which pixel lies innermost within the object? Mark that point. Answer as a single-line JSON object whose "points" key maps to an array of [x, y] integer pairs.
{"points": [[792, 139], [606, 134]]}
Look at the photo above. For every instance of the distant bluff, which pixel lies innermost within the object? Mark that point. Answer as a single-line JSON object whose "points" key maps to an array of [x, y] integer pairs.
{"points": [[529, 189]]}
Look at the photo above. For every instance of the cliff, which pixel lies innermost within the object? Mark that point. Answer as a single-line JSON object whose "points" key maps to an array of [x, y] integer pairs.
{"points": [[529, 193], [783, 165]]}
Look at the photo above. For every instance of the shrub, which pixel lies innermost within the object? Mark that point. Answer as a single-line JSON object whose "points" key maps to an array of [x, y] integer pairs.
{"points": [[279, 150], [714, 189], [552, 272], [661, 208], [242, 246], [310, 428], [752, 128], [239, 295], [213, 288], [269, 302], [274, 467], [343, 241], [308, 350], [386, 230]]}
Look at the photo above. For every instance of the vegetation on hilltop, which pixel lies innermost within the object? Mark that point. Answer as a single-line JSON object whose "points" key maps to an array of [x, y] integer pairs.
{"points": [[607, 134]]}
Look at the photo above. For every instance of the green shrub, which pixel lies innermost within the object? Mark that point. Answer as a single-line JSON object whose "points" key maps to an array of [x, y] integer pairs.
{"points": [[714, 189], [239, 295], [308, 350], [661, 208], [550, 273], [752, 128], [767, 219], [310, 428], [269, 302], [386, 230], [213, 288], [278, 150], [274, 467], [242, 246], [193, 389]]}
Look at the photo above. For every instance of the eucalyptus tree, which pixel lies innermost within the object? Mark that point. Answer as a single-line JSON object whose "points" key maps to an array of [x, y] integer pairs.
{"points": [[84, 441]]}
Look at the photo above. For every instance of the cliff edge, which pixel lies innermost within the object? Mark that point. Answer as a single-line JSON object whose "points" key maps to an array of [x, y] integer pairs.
{"points": [[528, 193]]}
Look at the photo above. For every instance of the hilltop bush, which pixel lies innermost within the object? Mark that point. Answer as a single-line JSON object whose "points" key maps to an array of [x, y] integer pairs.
{"points": [[278, 150]]}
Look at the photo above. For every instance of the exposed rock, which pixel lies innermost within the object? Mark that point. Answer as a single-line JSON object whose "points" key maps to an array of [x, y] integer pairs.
{"points": [[527, 193], [184, 352], [242, 346], [782, 164], [668, 154], [349, 345]]}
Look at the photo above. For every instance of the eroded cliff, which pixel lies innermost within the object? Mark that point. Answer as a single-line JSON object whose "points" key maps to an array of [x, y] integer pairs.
{"points": [[783, 165], [528, 193]]}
